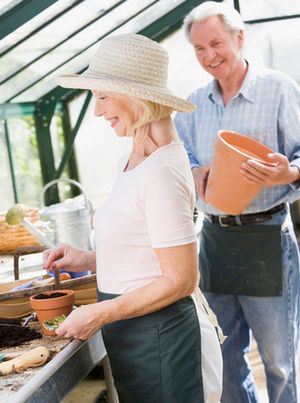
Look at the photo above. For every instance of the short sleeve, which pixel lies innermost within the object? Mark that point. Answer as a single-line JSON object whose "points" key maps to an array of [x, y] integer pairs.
{"points": [[169, 204]]}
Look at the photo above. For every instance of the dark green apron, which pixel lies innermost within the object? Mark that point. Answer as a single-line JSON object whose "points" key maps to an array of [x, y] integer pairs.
{"points": [[156, 358], [241, 260]]}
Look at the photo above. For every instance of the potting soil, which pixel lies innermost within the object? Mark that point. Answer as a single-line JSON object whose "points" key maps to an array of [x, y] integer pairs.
{"points": [[12, 333], [49, 296]]}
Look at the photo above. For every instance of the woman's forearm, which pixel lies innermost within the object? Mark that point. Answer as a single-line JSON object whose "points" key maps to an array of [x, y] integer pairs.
{"points": [[179, 278], [150, 298]]}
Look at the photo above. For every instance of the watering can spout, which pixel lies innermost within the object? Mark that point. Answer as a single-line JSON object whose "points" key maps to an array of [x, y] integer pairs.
{"points": [[68, 222], [16, 215]]}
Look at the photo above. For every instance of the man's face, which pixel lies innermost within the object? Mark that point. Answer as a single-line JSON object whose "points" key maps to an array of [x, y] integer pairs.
{"points": [[218, 51]]}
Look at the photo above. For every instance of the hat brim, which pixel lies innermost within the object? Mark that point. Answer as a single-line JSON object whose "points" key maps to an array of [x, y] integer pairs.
{"points": [[158, 95]]}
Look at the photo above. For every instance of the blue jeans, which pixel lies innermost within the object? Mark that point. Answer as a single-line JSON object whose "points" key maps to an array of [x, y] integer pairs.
{"points": [[274, 322]]}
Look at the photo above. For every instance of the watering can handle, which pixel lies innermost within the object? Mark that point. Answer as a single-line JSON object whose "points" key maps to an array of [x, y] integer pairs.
{"points": [[67, 180]]}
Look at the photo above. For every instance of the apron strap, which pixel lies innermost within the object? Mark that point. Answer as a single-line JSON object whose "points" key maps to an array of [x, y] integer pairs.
{"points": [[202, 303]]}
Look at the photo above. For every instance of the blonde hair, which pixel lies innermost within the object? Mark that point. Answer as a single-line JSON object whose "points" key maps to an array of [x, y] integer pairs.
{"points": [[230, 18], [152, 112]]}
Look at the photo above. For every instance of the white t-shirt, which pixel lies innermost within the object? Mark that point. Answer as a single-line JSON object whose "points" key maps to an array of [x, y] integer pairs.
{"points": [[150, 206]]}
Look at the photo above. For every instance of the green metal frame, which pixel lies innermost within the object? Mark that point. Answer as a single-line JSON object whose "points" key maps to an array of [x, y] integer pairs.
{"points": [[271, 19], [72, 134], [42, 119], [71, 163], [45, 109], [236, 4], [20, 14], [10, 160]]}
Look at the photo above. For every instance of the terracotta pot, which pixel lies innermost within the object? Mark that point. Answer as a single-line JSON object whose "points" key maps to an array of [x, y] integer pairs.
{"points": [[226, 188], [49, 308]]}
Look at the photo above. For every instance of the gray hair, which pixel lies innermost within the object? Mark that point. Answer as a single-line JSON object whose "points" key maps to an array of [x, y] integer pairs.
{"points": [[229, 17]]}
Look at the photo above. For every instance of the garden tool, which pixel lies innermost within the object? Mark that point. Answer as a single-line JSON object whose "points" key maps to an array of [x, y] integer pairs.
{"points": [[31, 359]]}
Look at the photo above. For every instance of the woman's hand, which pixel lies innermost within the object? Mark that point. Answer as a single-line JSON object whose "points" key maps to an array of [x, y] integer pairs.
{"points": [[66, 257], [279, 174], [85, 321]]}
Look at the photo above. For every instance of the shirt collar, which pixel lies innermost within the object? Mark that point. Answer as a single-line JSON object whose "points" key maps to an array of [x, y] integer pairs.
{"points": [[247, 89]]}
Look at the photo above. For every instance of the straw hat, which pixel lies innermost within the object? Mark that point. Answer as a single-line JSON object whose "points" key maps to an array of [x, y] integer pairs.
{"points": [[129, 64]]}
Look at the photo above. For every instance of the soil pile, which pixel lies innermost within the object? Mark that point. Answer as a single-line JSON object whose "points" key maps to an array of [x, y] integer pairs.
{"points": [[12, 333]]}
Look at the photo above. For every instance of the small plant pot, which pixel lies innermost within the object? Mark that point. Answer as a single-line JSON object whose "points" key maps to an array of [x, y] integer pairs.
{"points": [[50, 304], [226, 188]]}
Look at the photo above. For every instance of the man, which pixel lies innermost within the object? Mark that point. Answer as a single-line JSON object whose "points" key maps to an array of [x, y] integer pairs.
{"points": [[235, 250]]}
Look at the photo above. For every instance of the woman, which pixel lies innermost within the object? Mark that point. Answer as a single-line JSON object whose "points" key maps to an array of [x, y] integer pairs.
{"points": [[161, 346]]}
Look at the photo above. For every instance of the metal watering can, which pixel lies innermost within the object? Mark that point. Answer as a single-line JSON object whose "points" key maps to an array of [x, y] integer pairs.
{"points": [[69, 221]]}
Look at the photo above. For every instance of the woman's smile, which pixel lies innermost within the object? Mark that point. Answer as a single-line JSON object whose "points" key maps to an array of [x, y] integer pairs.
{"points": [[113, 121], [118, 110]]}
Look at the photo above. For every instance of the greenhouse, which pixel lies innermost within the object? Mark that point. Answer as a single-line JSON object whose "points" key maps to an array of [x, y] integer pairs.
{"points": [[61, 165]]}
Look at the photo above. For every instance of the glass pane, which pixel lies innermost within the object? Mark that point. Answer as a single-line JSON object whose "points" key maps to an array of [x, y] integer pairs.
{"points": [[7, 5], [26, 160], [149, 16], [273, 44], [6, 193], [34, 23], [50, 36], [86, 38], [72, 47], [257, 9]]}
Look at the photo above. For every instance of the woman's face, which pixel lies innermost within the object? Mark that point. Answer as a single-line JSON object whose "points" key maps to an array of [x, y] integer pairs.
{"points": [[120, 111]]}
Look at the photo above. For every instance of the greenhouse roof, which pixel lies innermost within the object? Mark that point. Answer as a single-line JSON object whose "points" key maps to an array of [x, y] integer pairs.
{"points": [[43, 39]]}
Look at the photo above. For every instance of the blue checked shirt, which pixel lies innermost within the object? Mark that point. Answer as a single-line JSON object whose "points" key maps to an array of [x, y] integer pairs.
{"points": [[266, 108]]}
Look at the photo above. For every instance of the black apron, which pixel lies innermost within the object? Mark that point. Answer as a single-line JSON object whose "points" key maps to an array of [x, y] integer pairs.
{"points": [[241, 260], [156, 358]]}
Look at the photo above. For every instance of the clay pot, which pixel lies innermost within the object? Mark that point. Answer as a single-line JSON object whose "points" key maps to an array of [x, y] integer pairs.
{"points": [[226, 188], [49, 308]]}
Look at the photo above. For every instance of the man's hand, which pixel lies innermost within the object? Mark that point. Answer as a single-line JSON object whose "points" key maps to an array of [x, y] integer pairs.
{"points": [[200, 175], [279, 174]]}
